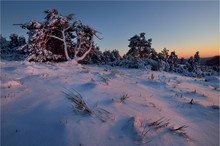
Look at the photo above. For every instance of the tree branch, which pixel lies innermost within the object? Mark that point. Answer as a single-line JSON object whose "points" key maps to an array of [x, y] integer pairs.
{"points": [[66, 28], [80, 59], [56, 37], [98, 37], [77, 50]]}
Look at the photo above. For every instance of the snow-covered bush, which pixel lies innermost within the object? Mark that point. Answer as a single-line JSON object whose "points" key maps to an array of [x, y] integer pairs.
{"points": [[141, 55], [3, 42], [163, 66], [111, 56], [127, 62], [132, 62], [10, 50], [108, 56], [180, 68]]}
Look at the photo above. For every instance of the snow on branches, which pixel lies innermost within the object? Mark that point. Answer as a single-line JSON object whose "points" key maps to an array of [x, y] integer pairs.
{"points": [[59, 38], [139, 46], [10, 50]]}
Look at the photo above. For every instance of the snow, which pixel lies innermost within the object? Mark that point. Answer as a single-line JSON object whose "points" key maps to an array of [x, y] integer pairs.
{"points": [[35, 111]]}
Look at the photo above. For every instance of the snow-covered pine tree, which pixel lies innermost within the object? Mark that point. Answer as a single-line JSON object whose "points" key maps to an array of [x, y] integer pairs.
{"points": [[165, 54], [115, 54], [21, 40], [172, 60], [108, 56], [197, 58], [13, 40], [139, 46], [190, 64], [3, 42], [59, 38], [10, 49], [182, 60], [154, 55]]}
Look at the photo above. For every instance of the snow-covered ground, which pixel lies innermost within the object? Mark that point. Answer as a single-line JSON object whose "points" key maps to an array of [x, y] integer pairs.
{"points": [[36, 112]]}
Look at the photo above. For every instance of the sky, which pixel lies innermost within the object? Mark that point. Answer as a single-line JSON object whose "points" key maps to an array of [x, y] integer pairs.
{"points": [[181, 26]]}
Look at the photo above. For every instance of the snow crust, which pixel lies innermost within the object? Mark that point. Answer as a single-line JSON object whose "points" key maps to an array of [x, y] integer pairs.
{"points": [[34, 110]]}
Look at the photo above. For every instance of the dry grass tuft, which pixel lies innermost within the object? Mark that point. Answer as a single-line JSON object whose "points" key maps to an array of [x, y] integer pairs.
{"points": [[151, 77], [105, 80], [123, 97], [103, 114], [180, 131], [159, 123], [80, 105], [77, 100], [191, 101]]}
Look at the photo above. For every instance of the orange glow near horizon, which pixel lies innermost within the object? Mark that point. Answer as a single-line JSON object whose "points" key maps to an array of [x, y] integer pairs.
{"points": [[186, 53], [204, 51], [187, 48]]}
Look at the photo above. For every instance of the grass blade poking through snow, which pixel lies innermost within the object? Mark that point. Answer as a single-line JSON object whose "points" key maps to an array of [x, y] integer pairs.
{"points": [[76, 98], [122, 98], [80, 105], [180, 131], [103, 114]]}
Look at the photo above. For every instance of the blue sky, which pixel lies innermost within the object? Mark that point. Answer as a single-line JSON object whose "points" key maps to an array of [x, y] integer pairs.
{"points": [[183, 26]]}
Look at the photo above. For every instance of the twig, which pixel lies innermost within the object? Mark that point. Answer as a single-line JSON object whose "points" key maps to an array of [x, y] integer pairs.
{"points": [[180, 128], [191, 102]]}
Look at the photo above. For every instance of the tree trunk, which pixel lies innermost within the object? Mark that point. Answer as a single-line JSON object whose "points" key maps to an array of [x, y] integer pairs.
{"points": [[80, 59], [65, 46]]}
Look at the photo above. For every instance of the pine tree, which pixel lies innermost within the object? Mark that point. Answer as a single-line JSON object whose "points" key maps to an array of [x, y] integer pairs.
{"points": [[21, 40], [59, 38], [10, 50], [13, 40], [197, 58], [190, 64], [139, 46], [182, 60], [3, 42], [172, 60], [165, 54]]}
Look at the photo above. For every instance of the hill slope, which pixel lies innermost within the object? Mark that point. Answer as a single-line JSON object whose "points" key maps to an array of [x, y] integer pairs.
{"points": [[157, 110]]}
